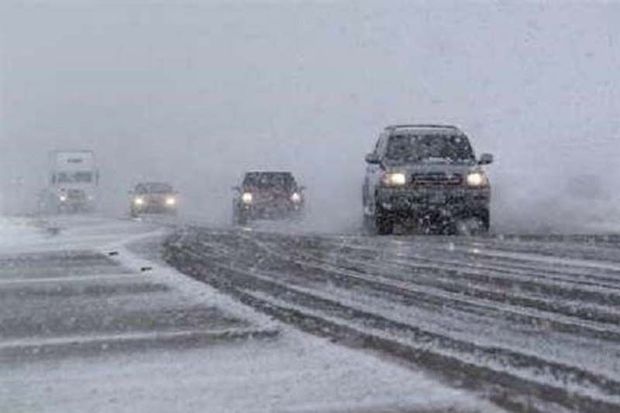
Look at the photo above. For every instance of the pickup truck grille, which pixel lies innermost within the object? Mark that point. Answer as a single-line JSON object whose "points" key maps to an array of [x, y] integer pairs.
{"points": [[76, 194], [436, 179]]}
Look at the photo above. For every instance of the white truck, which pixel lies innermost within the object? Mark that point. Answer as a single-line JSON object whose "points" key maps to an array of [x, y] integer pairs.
{"points": [[73, 182]]}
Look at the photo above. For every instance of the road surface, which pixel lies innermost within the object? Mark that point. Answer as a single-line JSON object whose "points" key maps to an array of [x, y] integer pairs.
{"points": [[92, 320], [531, 323]]}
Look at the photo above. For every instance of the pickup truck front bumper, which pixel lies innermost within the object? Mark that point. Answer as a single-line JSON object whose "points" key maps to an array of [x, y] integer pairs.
{"points": [[271, 210], [413, 202]]}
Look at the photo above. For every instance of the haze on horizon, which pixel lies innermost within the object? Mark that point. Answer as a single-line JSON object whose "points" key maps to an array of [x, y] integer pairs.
{"points": [[196, 92]]}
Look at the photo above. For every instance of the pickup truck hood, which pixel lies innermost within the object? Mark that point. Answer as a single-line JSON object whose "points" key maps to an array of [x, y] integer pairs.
{"points": [[447, 168]]}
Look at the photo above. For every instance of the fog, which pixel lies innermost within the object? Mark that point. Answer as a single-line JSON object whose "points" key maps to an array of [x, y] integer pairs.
{"points": [[196, 92]]}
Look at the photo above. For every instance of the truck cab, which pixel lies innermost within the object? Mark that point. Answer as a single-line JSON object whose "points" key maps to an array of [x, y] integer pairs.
{"points": [[73, 182]]}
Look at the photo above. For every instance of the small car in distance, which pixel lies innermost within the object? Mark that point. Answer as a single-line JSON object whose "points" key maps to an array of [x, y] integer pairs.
{"points": [[428, 176], [153, 198], [268, 195]]}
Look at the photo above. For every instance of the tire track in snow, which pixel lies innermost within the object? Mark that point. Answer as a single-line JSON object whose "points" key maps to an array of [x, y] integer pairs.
{"points": [[237, 267]]}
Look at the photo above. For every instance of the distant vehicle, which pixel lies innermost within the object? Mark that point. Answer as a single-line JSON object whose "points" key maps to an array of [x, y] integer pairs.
{"points": [[73, 182], [153, 198], [428, 176], [268, 195]]}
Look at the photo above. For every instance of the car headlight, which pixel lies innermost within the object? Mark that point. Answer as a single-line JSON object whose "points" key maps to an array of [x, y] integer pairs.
{"points": [[63, 198], [394, 179], [247, 198], [296, 197], [171, 201], [477, 179], [138, 201]]}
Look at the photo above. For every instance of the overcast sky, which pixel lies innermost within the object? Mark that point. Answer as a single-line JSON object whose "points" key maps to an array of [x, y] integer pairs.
{"points": [[196, 92]]}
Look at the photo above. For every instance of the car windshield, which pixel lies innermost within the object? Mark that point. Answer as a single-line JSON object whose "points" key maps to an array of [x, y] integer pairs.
{"points": [[283, 181], [419, 148], [157, 188]]}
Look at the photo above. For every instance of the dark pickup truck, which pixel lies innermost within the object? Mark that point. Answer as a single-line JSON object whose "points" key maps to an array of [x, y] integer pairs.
{"points": [[426, 176]]}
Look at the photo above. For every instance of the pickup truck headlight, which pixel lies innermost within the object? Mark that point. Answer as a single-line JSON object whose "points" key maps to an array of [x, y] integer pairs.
{"points": [[296, 198], [171, 201], [247, 198], [138, 201], [394, 179], [477, 179]]}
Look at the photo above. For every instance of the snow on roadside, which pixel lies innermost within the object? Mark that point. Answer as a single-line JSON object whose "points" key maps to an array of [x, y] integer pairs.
{"points": [[57, 233], [297, 373], [18, 231], [189, 288]]}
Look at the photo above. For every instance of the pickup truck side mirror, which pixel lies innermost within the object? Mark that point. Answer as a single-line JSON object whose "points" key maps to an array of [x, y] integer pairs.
{"points": [[372, 158], [485, 159]]}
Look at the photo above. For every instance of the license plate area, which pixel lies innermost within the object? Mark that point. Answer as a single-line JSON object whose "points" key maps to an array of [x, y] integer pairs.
{"points": [[436, 198]]}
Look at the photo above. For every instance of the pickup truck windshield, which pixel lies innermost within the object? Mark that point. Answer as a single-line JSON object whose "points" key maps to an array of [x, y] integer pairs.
{"points": [[155, 188], [418, 148], [269, 180]]}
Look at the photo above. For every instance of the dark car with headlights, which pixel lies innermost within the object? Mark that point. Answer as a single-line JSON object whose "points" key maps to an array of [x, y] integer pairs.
{"points": [[153, 198], [268, 195], [426, 176]]}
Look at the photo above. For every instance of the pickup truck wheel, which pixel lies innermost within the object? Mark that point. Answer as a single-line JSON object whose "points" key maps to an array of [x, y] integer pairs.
{"points": [[476, 224], [384, 225], [485, 218]]}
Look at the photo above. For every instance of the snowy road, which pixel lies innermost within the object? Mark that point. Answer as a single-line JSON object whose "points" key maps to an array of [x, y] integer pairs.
{"points": [[92, 320], [531, 322]]}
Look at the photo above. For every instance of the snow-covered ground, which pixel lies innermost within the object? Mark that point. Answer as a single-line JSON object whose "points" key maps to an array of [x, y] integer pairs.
{"points": [[87, 325], [533, 320]]}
